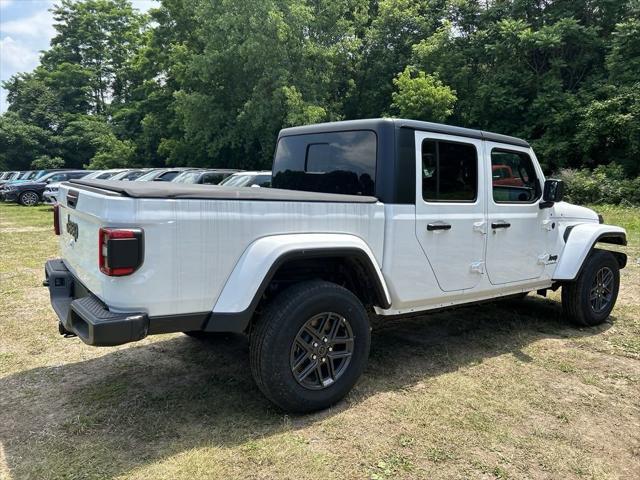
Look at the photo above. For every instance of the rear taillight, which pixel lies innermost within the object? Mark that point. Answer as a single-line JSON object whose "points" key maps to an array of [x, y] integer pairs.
{"points": [[56, 219], [120, 250]]}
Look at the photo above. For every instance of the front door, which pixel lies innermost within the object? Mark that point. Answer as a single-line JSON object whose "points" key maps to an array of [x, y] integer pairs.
{"points": [[517, 227], [450, 208]]}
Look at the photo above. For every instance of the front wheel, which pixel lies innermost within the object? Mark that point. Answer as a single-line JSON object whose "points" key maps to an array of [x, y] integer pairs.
{"points": [[28, 199], [588, 300], [310, 346]]}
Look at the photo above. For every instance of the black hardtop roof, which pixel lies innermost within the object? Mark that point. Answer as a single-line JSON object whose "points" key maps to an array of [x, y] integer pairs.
{"points": [[376, 124]]}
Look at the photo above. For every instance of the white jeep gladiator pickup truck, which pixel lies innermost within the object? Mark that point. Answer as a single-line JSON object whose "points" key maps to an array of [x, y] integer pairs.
{"points": [[377, 217]]}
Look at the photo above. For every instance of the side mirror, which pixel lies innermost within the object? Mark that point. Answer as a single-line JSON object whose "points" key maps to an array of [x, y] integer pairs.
{"points": [[553, 192]]}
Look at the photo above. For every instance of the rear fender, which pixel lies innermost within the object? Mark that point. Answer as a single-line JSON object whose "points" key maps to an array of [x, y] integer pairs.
{"points": [[580, 240], [261, 259]]}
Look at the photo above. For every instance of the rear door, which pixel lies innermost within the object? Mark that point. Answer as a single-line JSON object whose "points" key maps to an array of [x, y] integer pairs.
{"points": [[450, 208], [518, 228]]}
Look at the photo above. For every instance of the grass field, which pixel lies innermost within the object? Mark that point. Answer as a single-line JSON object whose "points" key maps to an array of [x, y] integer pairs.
{"points": [[506, 390]]}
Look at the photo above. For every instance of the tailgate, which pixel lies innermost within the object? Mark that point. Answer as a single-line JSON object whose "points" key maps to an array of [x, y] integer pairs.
{"points": [[81, 214]]}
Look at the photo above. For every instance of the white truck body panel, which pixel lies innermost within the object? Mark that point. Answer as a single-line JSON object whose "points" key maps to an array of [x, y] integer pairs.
{"points": [[193, 246]]}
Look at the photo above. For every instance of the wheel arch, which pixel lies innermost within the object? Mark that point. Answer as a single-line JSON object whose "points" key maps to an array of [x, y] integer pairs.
{"points": [[268, 257], [580, 241]]}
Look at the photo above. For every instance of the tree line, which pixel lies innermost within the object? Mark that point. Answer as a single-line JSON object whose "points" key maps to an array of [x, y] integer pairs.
{"points": [[210, 82]]}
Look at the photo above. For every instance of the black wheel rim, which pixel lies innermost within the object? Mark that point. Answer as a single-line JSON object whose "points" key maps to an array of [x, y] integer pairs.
{"points": [[601, 291], [322, 350]]}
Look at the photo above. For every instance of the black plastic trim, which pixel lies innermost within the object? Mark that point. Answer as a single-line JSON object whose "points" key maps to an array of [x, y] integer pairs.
{"points": [[616, 238]]}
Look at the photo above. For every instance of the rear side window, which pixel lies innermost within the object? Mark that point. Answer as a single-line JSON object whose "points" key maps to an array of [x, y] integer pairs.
{"points": [[449, 171], [513, 177], [336, 162]]}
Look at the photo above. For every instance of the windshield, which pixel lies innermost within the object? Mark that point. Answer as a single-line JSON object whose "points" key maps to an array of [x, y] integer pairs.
{"points": [[98, 175], [147, 176], [238, 180], [130, 175], [46, 177], [187, 177], [105, 175], [39, 174]]}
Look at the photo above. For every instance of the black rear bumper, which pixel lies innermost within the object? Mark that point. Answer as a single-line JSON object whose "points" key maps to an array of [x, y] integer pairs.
{"points": [[83, 314]]}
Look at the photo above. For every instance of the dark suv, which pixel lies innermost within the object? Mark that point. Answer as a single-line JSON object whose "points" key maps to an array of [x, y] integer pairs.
{"points": [[29, 193]]}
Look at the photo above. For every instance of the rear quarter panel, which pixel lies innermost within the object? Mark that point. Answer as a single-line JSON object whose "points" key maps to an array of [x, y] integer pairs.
{"points": [[192, 246]]}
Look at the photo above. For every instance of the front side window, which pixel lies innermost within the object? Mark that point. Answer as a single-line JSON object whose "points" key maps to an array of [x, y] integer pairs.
{"points": [[330, 162], [513, 177], [449, 171]]}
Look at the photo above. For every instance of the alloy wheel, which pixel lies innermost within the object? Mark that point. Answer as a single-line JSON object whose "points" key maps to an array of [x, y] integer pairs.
{"points": [[29, 199], [601, 292], [322, 350]]}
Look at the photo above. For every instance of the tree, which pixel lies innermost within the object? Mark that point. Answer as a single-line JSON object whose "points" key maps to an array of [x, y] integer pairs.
{"points": [[97, 37], [422, 97], [46, 162], [21, 142]]}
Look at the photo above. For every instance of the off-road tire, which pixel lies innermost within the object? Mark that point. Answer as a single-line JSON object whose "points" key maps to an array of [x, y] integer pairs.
{"points": [[576, 301], [28, 198], [273, 336]]}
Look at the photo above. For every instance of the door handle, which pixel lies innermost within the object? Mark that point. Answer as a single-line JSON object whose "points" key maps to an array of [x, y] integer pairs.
{"points": [[438, 226], [500, 225]]}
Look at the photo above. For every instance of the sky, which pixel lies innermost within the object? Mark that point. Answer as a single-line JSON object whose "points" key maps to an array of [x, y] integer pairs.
{"points": [[26, 26]]}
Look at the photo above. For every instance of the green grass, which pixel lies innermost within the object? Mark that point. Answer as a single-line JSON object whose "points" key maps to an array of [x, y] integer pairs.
{"points": [[504, 390]]}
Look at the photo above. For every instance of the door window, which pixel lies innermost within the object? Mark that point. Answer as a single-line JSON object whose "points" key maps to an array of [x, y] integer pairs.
{"points": [[449, 171], [513, 177]]}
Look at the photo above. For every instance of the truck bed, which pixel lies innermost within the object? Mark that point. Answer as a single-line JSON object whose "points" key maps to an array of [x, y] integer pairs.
{"points": [[214, 192]]}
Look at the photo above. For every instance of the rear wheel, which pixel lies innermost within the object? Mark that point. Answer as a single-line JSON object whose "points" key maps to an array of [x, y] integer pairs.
{"points": [[28, 198], [588, 300], [310, 346]]}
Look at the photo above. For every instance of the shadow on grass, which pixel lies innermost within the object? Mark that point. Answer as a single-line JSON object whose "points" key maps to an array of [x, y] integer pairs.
{"points": [[131, 407]]}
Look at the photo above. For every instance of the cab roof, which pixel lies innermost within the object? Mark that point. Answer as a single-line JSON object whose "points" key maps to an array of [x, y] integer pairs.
{"points": [[378, 124]]}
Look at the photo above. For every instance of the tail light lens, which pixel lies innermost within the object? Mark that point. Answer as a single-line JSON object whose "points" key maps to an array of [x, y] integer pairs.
{"points": [[120, 250], [56, 219]]}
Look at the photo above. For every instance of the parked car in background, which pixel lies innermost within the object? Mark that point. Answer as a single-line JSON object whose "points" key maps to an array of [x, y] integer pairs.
{"points": [[162, 174], [105, 174], [28, 175], [248, 179], [503, 175], [8, 177], [50, 194], [31, 193], [208, 176], [131, 175]]}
